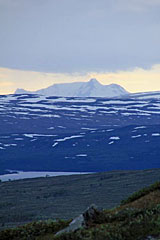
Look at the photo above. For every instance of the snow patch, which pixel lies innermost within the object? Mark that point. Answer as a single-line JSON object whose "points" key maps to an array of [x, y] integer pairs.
{"points": [[68, 138], [111, 142], [136, 136], [140, 127], [31, 135], [155, 134], [114, 138], [54, 144], [81, 155]]}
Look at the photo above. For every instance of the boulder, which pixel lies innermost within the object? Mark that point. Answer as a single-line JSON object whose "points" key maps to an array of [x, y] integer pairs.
{"points": [[90, 214], [82, 221]]}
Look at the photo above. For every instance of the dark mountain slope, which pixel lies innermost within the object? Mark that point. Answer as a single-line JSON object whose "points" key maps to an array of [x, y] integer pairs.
{"points": [[78, 134]]}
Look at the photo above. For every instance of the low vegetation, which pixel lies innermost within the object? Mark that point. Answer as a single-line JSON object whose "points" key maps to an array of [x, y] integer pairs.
{"points": [[136, 218], [31, 230], [65, 197], [143, 192]]}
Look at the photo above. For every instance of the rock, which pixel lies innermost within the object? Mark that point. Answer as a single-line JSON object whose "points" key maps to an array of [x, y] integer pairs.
{"points": [[82, 220], [90, 214], [76, 224]]}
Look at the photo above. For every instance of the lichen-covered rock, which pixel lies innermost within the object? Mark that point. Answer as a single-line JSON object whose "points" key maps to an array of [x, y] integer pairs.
{"points": [[82, 220]]}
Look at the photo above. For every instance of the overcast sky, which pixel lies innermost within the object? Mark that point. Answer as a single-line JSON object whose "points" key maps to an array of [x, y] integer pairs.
{"points": [[78, 38]]}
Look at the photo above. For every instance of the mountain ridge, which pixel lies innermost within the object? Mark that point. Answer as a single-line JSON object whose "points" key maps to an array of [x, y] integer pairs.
{"points": [[92, 88]]}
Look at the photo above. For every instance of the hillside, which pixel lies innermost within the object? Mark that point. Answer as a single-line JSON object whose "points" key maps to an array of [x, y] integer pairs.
{"points": [[67, 196], [40, 133], [135, 218]]}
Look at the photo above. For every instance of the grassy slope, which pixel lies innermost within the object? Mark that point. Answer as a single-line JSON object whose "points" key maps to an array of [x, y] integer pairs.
{"points": [[135, 219], [66, 197]]}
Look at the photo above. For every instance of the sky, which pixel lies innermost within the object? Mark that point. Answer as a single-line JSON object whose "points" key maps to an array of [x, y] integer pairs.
{"points": [[53, 41]]}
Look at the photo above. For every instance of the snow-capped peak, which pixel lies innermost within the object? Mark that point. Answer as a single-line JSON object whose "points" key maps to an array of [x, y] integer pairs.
{"points": [[92, 88], [94, 81]]}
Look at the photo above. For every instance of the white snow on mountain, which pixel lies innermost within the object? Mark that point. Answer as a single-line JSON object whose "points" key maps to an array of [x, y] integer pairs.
{"points": [[91, 88]]}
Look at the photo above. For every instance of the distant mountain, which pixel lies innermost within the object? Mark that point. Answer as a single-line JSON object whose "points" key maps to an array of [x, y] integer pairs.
{"points": [[91, 88]]}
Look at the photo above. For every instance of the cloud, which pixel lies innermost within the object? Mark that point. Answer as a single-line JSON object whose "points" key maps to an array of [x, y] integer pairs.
{"points": [[136, 80], [136, 5], [60, 35], [11, 79], [133, 80], [148, 2], [4, 85]]}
